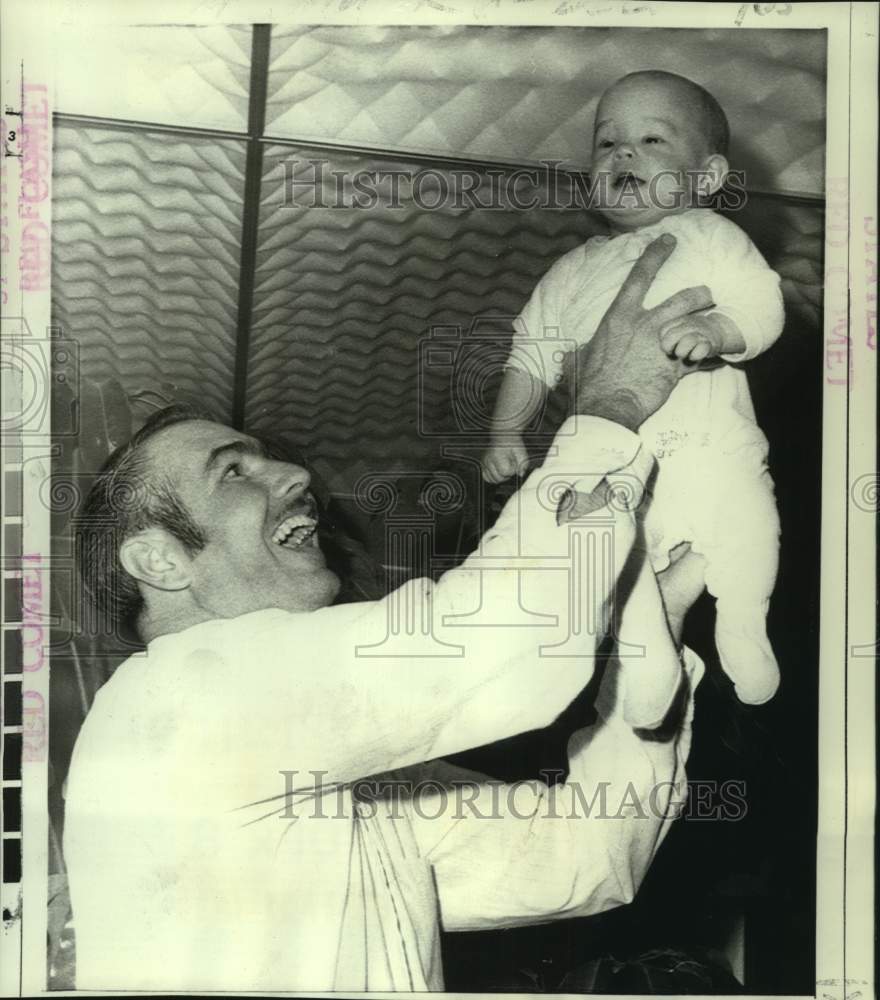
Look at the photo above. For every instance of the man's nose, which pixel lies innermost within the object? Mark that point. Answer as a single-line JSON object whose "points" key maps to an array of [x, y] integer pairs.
{"points": [[289, 480], [624, 151]]}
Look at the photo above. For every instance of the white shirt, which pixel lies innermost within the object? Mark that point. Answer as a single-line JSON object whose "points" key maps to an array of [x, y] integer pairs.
{"points": [[191, 867]]}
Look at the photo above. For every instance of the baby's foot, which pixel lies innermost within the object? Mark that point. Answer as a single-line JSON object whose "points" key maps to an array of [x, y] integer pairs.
{"points": [[745, 651]]}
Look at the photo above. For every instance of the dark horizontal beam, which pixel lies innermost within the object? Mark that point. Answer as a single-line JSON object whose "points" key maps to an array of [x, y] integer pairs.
{"points": [[352, 149], [126, 125]]}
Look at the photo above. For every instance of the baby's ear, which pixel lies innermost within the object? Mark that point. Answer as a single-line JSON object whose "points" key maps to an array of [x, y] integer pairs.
{"points": [[713, 173]]}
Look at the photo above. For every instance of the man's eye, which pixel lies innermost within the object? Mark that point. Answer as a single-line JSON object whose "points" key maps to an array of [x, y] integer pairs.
{"points": [[605, 143], [653, 138], [232, 471]]}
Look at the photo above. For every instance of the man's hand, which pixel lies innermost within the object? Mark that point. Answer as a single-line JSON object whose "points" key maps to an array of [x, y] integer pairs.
{"points": [[623, 373], [504, 458]]}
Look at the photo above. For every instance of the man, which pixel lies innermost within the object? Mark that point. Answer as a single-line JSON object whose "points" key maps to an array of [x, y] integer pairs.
{"points": [[213, 839]]}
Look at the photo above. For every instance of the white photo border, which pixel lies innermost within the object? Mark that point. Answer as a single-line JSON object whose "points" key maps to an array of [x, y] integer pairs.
{"points": [[845, 929]]}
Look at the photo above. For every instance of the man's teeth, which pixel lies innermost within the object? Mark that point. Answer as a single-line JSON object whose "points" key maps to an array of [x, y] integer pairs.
{"points": [[294, 530]]}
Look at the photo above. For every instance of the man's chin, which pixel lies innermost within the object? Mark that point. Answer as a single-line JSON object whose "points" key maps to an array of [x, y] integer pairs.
{"points": [[320, 587], [306, 593], [333, 585], [313, 584]]}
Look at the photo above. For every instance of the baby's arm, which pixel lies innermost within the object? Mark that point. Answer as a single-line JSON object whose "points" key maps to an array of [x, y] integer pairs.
{"points": [[520, 398], [535, 352], [748, 315], [702, 335]]}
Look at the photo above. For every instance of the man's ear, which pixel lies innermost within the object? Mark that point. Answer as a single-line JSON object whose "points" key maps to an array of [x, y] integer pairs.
{"points": [[156, 558], [713, 173]]}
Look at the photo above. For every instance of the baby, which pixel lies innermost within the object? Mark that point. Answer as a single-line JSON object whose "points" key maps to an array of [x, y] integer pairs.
{"points": [[659, 149]]}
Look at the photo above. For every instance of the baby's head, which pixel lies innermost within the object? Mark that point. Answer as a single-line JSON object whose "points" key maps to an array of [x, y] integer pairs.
{"points": [[659, 148]]}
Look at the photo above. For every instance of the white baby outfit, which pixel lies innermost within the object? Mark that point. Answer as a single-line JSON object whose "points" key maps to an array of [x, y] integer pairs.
{"points": [[712, 487]]}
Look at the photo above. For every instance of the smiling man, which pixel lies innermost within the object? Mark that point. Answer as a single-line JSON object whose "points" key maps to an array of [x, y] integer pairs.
{"points": [[258, 547], [214, 838]]}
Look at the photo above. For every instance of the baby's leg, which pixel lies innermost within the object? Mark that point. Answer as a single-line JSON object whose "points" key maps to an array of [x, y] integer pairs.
{"points": [[721, 501], [668, 530], [738, 533]]}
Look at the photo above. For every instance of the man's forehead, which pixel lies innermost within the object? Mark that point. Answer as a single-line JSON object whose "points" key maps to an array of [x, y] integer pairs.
{"points": [[191, 439]]}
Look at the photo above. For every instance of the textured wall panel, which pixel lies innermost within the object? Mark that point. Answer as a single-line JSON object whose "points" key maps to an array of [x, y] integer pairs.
{"points": [[526, 94], [344, 296], [146, 250], [167, 74]]}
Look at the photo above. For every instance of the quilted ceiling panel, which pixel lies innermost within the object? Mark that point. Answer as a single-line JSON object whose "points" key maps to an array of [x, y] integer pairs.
{"points": [[164, 74], [146, 248], [529, 94]]}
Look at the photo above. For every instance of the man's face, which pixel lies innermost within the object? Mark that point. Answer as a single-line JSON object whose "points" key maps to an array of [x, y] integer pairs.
{"points": [[647, 138], [257, 515]]}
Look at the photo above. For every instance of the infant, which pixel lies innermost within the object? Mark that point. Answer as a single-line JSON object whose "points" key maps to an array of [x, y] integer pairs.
{"points": [[659, 150]]}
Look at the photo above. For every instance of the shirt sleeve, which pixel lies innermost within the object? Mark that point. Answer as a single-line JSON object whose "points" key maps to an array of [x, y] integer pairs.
{"points": [[510, 855], [538, 347], [745, 290], [498, 646]]}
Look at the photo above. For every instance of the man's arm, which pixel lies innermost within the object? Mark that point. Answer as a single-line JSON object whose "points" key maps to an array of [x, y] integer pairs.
{"points": [[433, 669], [511, 855], [507, 683]]}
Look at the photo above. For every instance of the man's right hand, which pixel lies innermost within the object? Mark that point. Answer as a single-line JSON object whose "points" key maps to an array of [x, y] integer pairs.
{"points": [[503, 459], [623, 374]]}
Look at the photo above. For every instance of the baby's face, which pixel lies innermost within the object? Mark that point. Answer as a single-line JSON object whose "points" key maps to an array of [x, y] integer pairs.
{"points": [[647, 137]]}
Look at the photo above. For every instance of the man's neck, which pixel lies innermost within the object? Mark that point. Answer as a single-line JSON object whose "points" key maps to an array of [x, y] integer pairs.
{"points": [[155, 623]]}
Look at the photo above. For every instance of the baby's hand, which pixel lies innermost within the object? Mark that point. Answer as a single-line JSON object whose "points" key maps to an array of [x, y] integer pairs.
{"points": [[503, 459], [693, 338]]}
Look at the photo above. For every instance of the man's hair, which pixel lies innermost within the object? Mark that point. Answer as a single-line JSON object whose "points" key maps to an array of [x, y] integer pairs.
{"points": [[715, 126], [128, 496]]}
